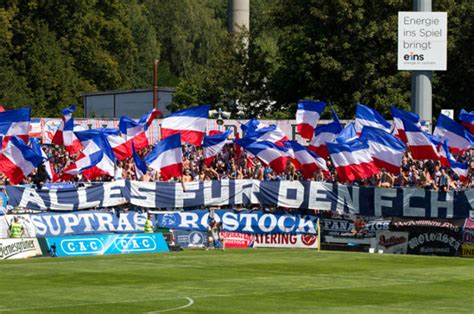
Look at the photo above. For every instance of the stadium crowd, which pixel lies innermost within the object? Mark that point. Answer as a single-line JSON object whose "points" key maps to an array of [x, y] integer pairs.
{"points": [[234, 163]]}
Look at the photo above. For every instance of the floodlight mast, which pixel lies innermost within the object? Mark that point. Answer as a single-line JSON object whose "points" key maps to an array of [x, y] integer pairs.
{"points": [[421, 87]]}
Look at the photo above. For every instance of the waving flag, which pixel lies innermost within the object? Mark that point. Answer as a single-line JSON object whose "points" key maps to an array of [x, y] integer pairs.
{"points": [[444, 154], [17, 160], [120, 147], [96, 159], [307, 161], [386, 150], [269, 153], [366, 116], [262, 132], [467, 120], [398, 116], [140, 166], [459, 139], [347, 134], [35, 145], [65, 133], [461, 169], [15, 123], [252, 125], [352, 160], [307, 117], [213, 145], [421, 146], [191, 123], [166, 157], [322, 135], [135, 131]]}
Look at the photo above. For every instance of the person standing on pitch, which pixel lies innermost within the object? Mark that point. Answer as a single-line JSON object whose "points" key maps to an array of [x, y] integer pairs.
{"points": [[16, 229], [149, 225], [214, 235]]}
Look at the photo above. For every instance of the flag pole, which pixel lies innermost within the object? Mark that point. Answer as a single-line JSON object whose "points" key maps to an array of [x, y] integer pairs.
{"points": [[155, 78]]}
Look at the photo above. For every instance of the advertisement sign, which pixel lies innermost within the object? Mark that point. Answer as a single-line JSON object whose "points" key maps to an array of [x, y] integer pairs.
{"points": [[391, 242], [467, 250], [433, 243], [190, 239], [468, 236], [236, 240], [240, 221], [344, 231], [422, 41], [87, 222], [302, 241], [108, 244], [453, 226], [19, 248]]}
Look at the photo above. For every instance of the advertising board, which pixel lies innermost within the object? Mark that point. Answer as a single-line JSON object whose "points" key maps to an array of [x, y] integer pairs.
{"points": [[108, 244], [237, 240], [307, 241], [190, 239], [391, 242], [19, 248], [422, 41], [467, 250]]}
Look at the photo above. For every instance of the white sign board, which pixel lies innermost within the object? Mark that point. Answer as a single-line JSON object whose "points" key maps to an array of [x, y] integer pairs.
{"points": [[301, 241], [422, 41], [448, 112], [19, 248]]}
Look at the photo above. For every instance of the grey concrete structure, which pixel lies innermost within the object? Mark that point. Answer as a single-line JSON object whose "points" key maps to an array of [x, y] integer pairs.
{"points": [[132, 103], [239, 15]]}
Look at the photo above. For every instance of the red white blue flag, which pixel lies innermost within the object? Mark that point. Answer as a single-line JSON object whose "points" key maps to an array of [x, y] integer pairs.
{"points": [[65, 133], [213, 145], [166, 157], [307, 117], [15, 123], [18, 160], [386, 150], [191, 123], [352, 160], [366, 116]]}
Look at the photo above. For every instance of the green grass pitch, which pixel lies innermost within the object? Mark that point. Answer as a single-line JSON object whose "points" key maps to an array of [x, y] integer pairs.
{"points": [[238, 281]]}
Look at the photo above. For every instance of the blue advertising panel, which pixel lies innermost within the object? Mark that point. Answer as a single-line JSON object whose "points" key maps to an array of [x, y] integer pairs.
{"points": [[190, 239], [87, 245], [255, 222]]}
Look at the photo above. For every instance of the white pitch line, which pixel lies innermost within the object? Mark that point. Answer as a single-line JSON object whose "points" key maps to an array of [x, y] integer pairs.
{"points": [[190, 302]]}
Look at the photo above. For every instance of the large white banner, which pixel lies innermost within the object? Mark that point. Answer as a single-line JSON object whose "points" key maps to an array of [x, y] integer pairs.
{"points": [[19, 248]]}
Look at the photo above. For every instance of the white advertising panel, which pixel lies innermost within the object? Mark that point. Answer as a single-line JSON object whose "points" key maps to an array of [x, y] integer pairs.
{"points": [[19, 248], [392, 242], [286, 241], [422, 41]]}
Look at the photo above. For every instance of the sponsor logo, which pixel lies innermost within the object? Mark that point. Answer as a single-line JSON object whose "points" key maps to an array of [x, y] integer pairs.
{"points": [[196, 238], [169, 220], [413, 57], [308, 240], [81, 246], [428, 237], [135, 244], [392, 241]]}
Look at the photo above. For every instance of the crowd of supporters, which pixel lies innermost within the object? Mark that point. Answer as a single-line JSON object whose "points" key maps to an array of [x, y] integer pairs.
{"points": [[235, 163]]}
